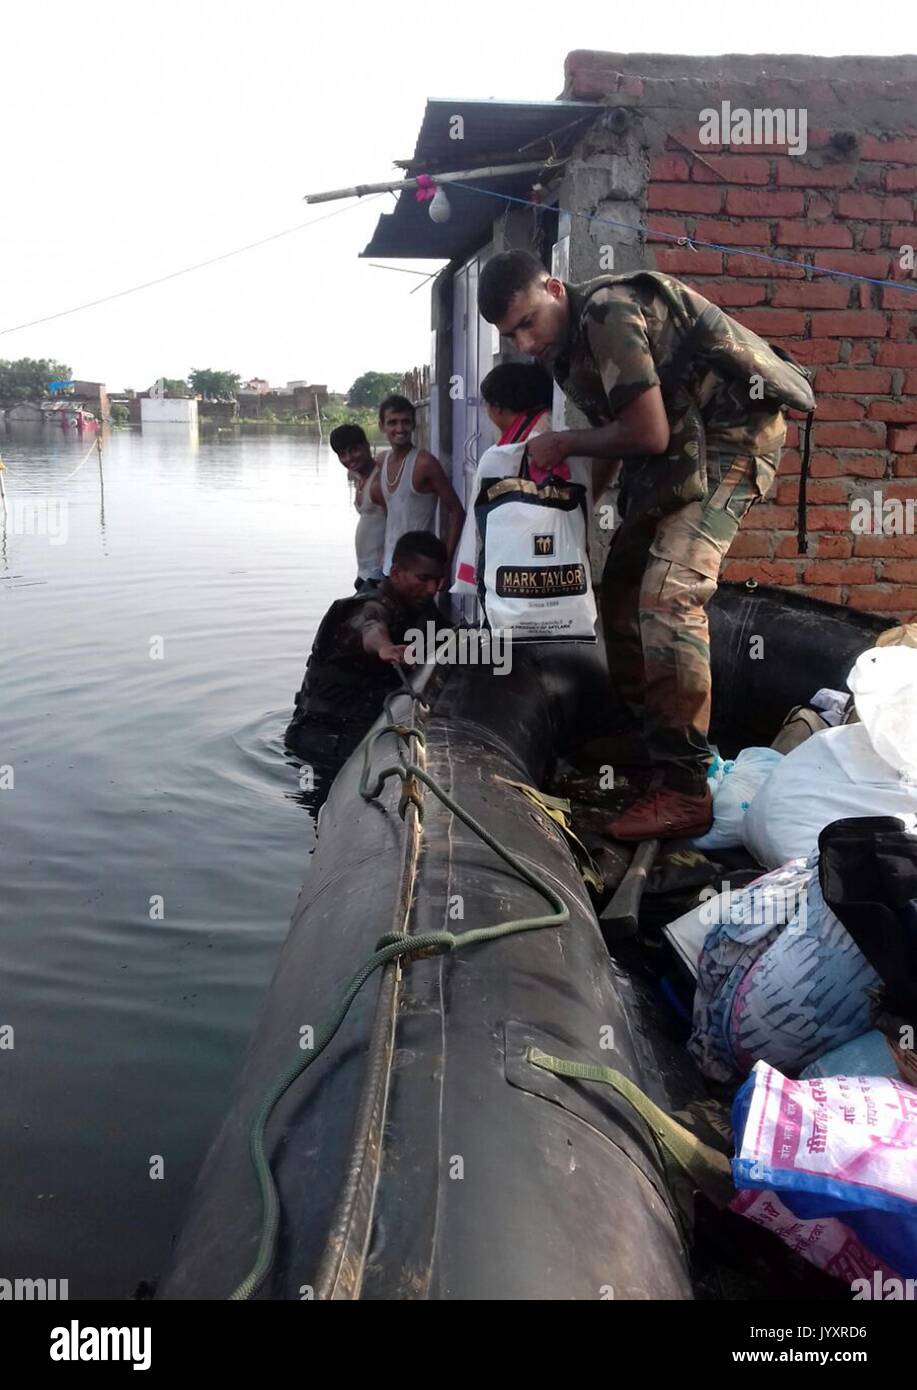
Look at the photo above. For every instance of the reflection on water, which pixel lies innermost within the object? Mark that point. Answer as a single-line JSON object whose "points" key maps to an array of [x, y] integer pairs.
{"points": [[157, 609]]}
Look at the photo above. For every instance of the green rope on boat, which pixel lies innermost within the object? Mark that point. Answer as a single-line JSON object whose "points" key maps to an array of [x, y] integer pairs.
{"points": [[389, 948]]}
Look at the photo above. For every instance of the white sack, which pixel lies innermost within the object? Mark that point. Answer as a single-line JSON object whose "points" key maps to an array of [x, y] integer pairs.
{"points": [[884, 685], [734, 794], [832, 775]]}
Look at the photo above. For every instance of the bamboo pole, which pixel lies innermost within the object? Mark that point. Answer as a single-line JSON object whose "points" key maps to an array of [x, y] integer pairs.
{"points": [[359, 190], [101, 480]]}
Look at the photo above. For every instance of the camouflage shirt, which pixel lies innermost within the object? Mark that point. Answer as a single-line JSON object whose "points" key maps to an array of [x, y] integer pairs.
{"points": [[621, 339]]}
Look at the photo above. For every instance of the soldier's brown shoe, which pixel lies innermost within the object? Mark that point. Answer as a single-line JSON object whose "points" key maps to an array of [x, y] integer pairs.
{"points": [[663, 814]]}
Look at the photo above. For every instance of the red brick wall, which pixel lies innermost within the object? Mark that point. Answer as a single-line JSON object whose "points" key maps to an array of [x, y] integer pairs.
{"points": [[848, 212]]}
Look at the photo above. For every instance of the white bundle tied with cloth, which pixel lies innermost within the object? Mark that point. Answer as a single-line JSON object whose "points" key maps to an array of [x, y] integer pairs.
{"points": [[864, 769], [834, 775], [884, 686], [734, 793]]}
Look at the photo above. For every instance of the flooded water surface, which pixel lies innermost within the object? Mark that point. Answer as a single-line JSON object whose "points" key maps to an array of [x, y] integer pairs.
{"points": [[156, 611]]}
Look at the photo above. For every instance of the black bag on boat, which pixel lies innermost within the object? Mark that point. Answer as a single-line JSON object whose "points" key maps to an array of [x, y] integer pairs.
{"points": [[868, 875]]}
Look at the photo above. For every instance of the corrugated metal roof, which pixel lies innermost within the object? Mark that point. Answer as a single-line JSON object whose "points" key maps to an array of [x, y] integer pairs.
{"points": [[493, 132]]}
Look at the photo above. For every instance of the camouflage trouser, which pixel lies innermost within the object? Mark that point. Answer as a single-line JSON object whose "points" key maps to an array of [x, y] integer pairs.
{"points": [[658, 580]]}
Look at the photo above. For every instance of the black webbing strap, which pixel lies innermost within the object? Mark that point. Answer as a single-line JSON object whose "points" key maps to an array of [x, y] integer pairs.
{"points": [[802, 542]]}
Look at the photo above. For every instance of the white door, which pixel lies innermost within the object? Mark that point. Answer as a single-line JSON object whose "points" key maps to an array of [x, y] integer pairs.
{"points": [[474, 344], [472, 359]]}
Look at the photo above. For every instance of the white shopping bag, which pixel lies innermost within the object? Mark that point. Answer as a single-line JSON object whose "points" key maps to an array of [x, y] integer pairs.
{"points": [[533, 570]]}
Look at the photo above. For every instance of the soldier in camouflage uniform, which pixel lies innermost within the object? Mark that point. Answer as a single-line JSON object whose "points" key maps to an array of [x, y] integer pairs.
{"points": [[692, 403]]}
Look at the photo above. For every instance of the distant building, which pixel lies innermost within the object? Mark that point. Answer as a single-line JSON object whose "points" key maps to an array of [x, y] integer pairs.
{"points": [[62, 413], [256, 387], [92, 396], [27, 412], [80, 400], [296, 398], [168, 410]]}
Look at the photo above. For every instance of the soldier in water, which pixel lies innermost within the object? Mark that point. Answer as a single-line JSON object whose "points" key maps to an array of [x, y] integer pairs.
{"points": [[352, 667]]}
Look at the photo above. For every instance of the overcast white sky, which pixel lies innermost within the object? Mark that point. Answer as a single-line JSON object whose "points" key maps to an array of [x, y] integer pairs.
{"points": [[139, 138]]}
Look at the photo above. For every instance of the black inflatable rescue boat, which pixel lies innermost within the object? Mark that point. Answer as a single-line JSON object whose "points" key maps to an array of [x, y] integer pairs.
{"points": [[423, 1155]]}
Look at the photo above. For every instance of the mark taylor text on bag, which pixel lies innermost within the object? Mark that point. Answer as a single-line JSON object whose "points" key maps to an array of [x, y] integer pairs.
{"points": [[542, 579]]}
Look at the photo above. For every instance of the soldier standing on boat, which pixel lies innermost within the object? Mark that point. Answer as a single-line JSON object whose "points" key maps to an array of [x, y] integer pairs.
{"points": [[410, 483], [692, 403]]}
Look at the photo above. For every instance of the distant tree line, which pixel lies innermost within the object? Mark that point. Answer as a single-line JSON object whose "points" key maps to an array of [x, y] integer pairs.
{"points": [[28, 378], [365, 393], [204, 381]]}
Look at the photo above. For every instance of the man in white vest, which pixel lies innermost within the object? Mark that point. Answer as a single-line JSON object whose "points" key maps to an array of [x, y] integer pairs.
{"points": [[409, 484]]}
